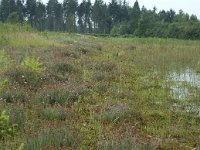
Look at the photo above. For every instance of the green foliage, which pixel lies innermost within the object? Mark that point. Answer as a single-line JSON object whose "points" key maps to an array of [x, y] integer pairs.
{"points": [[101, 88], [116, 113], [3, 84], [127, 143], [64, 68], [115, 18], [91, 133], [13, 18], [56, 138], [25, 77], [4, 60], [53, 97], [33, 64], [106, 66], [18, 116], [53, 114], [6, 129], [13, 28], [11, 96], [115, 31]]}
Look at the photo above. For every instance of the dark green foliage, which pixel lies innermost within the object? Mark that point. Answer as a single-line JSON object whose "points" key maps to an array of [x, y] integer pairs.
{"points": [[70, 7], [40, 16], [54, 16], [20, 9], [13, 18], [31, 11], [116, 18]]}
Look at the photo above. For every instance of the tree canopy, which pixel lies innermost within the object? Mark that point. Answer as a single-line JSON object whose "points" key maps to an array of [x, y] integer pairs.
{"points": [[116, 18]]}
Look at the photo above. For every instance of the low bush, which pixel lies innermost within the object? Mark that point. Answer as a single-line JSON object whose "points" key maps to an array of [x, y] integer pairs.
{"points": [[53, 96], [25, 77], [4, 59], [64, 68], [6, 128], [54, 139], [127, 143], [101, 88], [33, 64], [17, 116], [105, 66], [53, 114], [12, 96]]}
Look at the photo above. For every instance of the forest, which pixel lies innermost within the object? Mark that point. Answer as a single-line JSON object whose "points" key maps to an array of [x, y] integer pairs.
{"points": [[114, 18]]}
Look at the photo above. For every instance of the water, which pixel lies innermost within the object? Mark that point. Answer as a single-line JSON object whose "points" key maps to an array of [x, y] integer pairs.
{"points": [[184, 86], [183, 82]]}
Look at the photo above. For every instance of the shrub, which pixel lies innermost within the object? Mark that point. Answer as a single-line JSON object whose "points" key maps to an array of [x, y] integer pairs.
{"points": [[83, 50], [4, 60], [74, 96], [25, 77], [11, 96], [33, 64], [127, 143], [64, 68], [53, 114], [13, 18], [99, 76], [116, 113], [58, 139], [17, 116], [71, 54], [106, 66], [6, 129], [101, 88], [53, 96], [3, 84]]}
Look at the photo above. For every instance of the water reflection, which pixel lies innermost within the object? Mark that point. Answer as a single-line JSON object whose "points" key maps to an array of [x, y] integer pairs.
{"points": [[184, 87], [182, 83]]}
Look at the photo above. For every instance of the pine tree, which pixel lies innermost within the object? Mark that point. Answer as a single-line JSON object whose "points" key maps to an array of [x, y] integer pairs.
{"points": [[98, 16], [6, 8], [20, 10], [80, 13], [70, 8], [135, 14], [31, 11], [40, 16], [54, 16], [114, 12]]}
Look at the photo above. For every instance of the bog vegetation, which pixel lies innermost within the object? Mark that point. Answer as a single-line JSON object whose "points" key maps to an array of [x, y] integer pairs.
{"points": [[72, 91]]}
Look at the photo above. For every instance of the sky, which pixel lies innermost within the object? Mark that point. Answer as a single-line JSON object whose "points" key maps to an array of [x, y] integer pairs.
{"points": [[188, 6]]}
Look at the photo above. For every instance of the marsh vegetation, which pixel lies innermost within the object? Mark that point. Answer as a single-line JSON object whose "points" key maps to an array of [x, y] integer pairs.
{"points": [[71, 91]]}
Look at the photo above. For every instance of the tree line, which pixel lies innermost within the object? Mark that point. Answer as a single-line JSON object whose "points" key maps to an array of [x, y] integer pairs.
{"points": [[115, 18]]}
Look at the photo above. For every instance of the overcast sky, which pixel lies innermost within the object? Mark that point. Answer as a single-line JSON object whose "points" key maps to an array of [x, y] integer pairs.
{"points": [[189, 6]]}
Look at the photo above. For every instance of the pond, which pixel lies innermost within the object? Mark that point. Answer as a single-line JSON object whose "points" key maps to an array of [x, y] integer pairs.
{"points": [[184, 88]]}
